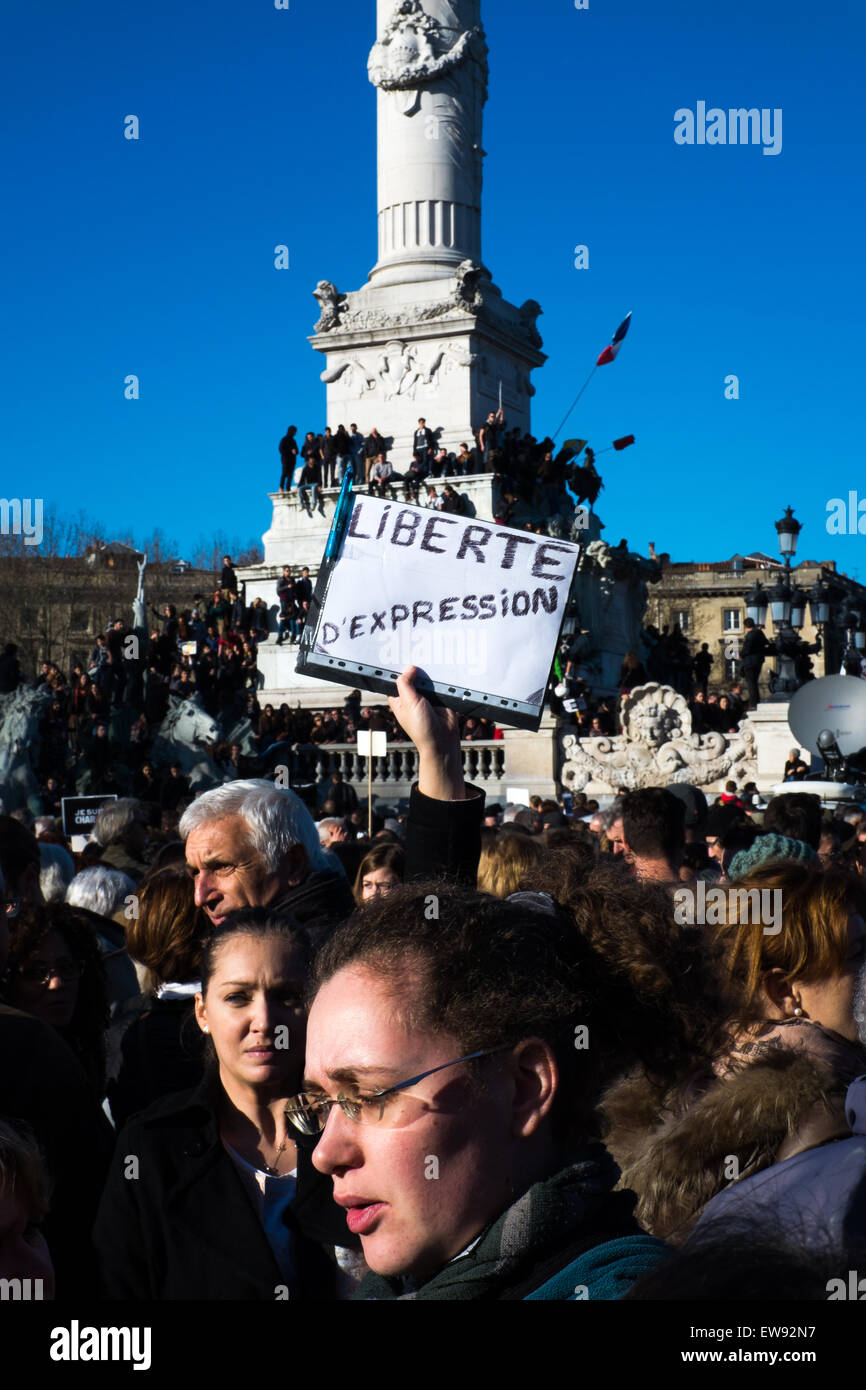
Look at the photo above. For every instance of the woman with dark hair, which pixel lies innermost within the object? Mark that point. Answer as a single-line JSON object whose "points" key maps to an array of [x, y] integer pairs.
{"points": [[451, 1079], [227, 1204], [56, 973], [161, 1050], [381, 869]]}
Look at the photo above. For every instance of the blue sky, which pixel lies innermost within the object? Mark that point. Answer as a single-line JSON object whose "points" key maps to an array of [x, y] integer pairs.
{"points": [[258, 127]]}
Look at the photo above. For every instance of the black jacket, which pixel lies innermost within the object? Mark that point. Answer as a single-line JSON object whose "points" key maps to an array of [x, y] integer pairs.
{"points": [[443, 838], [42, 1083], [161, 1054], [184, 1228], [754, 649], [322, 901]]}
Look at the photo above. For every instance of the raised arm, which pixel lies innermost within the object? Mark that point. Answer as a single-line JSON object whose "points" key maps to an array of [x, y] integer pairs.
{"points": [[443, 831]]}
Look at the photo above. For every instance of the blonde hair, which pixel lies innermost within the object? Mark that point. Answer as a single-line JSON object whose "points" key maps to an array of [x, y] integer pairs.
{"points": [[504, 861]]}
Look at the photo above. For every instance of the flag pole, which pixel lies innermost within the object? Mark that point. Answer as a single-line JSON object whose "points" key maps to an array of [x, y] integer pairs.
{"points": [[576, 399]]}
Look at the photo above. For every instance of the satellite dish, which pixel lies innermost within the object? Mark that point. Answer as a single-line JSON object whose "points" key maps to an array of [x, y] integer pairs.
{"points": [[834, 703]]}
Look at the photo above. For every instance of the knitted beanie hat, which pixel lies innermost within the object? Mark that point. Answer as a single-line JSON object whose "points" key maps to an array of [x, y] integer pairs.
{"points": [[768, 847]]}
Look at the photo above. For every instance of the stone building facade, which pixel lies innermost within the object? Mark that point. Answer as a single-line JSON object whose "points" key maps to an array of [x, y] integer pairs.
{"points": [[708, 601]]}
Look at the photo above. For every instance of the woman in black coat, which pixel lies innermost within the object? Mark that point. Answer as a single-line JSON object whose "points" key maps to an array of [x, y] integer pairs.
{"points": [[210, 1195]]}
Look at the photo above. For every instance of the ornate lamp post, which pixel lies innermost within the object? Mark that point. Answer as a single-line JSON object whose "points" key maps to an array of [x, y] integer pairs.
{"points": [[788, 607]]}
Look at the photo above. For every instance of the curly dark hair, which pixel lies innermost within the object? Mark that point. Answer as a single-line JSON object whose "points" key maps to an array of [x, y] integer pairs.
{"points": [[85, 1033], [489, 972], [670, 979]]}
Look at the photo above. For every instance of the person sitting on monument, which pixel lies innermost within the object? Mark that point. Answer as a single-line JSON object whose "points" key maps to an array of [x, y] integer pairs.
{"points": [[383, 476], [311, 482], [443, 464], [452, 501], [416, 474], [464, 461], [795, 769], [432, 500]]}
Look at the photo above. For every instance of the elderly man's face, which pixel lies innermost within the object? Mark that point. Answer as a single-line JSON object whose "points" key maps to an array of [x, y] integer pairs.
{"points": [[229, 873]]}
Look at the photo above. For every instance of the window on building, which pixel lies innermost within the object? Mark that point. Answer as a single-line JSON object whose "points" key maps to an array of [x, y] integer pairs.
{"points": [[684, 619], [732, 620], [79, 620]]}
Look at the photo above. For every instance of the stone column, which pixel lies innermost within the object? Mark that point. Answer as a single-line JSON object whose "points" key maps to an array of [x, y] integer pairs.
{"points": [[429, 66]]}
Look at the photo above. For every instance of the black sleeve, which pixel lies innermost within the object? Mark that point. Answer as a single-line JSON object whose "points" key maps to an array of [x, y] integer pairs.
{"points": [[443, 838], [120, 1234]]}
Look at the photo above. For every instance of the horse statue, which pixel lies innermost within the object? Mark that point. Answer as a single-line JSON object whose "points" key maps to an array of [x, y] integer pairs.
{"points": [[21, 712], [187, 735]]}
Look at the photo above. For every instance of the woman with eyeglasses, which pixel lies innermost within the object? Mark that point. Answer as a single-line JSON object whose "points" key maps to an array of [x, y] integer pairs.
{"points": [[457, 1046], [56, 973], [226, 1203]]}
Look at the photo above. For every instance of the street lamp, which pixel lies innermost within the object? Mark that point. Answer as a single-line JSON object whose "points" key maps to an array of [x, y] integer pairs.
{"points": [[756, 604], [798, 608], [819, 602], [788, 529], [788, 606], [780, 602]]}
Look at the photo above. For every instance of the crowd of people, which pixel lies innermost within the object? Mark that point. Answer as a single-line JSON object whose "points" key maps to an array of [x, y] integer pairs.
{"points": [[533, 481], [492, 1053]]}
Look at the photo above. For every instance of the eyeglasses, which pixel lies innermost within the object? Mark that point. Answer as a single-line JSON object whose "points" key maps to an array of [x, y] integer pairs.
{"points": [[10, 907], [391, 1108], [40, 976]]}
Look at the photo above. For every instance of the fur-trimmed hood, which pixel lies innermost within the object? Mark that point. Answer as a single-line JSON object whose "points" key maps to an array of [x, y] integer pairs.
{"points": [[679, 1150]]}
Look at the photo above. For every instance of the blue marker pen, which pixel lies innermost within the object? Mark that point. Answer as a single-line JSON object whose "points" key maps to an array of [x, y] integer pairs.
{"points": [[341, 515]]}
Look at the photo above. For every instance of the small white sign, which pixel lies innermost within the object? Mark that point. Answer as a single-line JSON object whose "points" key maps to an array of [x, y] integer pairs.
{"points": [[380, 743]]}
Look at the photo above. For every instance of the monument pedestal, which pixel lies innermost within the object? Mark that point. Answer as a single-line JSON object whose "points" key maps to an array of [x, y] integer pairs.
{"points": [[531, 758], [774, 741], [442, 349]]}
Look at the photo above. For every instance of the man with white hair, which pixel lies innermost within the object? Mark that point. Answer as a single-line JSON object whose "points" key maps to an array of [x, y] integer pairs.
{"points": [[253, 844]]}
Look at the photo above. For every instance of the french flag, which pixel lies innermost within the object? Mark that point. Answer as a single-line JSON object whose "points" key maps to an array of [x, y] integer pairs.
{"points": [[611, 351]]}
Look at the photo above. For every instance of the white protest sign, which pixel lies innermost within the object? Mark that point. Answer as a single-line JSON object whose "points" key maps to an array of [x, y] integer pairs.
{"points": [[379, 740], [476, 606]]}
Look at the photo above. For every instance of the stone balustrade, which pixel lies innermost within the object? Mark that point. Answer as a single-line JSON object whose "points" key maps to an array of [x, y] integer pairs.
{"points": [[393, 775]]}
